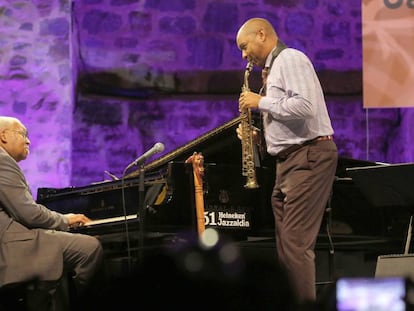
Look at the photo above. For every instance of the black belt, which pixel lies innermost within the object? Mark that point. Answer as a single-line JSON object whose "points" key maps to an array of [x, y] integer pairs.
{"points": [[282, 155]]}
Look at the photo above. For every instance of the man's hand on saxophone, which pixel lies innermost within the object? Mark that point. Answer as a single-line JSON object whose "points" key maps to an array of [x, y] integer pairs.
{"points": [[248, 100]]}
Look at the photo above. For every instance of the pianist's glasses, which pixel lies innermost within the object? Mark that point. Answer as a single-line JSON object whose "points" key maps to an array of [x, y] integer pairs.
{"points": [[24, 134]]}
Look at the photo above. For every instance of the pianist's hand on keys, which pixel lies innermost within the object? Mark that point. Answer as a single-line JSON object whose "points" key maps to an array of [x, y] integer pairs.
{"points": [[80, 220], [76, 220]]}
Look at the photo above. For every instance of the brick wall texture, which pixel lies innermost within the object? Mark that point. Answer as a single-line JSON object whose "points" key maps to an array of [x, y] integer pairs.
{"points": [[98, 82]]}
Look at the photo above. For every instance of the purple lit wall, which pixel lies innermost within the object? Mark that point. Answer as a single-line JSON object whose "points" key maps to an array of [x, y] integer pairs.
{"points": [[98, 82], [36, 84]]}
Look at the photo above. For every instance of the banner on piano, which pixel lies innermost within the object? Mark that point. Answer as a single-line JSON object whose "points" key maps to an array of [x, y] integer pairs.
{"points": [[218, 216]]}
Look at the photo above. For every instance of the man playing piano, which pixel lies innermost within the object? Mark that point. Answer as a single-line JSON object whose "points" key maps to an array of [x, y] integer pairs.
{"points": [[34, 244], [298, 134]]}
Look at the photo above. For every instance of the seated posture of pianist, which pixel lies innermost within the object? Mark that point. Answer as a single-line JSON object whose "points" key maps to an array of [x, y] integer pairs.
{"points": [[35, 246]]}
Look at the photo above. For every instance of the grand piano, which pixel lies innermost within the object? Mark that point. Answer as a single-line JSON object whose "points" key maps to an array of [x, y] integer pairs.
{"points": [[168, 190], [158, 198]]}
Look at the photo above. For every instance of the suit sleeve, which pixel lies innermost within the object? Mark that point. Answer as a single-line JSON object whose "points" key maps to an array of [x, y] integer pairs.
{"points": [[18, 202]]}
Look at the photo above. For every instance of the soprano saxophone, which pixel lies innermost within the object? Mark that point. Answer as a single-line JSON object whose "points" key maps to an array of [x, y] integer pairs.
{"points": [[248, 165]]}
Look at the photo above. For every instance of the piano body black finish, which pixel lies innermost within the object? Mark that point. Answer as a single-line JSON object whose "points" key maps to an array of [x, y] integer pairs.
{"points": [[169, 192], [229, 207]]}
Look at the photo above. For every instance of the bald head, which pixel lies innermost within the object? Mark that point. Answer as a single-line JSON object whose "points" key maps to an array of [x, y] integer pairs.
{"points": [[255, 24], [7, 122], [13, 138], [256, 38]]}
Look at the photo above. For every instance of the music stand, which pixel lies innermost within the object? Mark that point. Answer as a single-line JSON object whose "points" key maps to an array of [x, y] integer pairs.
{"points": [[387, 185]]}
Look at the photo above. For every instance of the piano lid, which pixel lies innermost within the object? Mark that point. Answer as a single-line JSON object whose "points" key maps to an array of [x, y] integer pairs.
{"points": [[219, 145]]}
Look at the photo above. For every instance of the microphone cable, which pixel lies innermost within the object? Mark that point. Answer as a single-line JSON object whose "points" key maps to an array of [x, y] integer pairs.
{"points": [[129, 257], [329, 234]]}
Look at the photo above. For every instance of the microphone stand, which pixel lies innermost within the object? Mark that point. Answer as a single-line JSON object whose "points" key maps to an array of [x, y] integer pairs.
{"points": [[158, 147], [141, 213]]}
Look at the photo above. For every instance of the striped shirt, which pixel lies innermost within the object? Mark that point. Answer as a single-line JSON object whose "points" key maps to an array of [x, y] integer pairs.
{"points": [[294, 108]]}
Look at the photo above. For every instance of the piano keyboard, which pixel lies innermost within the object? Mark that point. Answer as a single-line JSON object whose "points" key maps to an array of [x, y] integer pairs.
{"points": [[109, 220]]}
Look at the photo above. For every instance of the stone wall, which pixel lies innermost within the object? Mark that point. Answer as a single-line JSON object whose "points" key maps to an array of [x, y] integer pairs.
{"points": [[98, 82], [36, 84]]}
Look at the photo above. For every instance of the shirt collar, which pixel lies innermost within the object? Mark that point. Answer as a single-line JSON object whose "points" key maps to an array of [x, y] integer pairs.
{"points": [[269, 58]]}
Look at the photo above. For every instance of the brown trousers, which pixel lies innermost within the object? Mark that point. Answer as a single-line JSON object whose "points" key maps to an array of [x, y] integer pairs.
{"points": [[302, 188]]}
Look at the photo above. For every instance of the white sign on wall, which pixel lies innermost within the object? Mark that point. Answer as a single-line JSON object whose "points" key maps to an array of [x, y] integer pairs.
{"points": [[388, 53]]}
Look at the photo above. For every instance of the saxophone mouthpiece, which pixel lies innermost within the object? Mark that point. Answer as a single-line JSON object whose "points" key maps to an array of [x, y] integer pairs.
{"points": [[249, 66]]}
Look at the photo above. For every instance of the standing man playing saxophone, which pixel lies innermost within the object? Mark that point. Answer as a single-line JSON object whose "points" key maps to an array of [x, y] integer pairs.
{"points": [[298, 134]]}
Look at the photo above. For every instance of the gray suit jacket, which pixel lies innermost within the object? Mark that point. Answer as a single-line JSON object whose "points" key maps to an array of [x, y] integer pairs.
{"points": [[27, 250]]}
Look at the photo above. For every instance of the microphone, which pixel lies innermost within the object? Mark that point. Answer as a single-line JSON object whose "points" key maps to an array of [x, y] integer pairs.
{"points": [[158, 147]]}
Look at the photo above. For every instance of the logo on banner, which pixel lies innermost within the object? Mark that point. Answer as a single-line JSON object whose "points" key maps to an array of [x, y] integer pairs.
{"points": [[388, 53]]}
